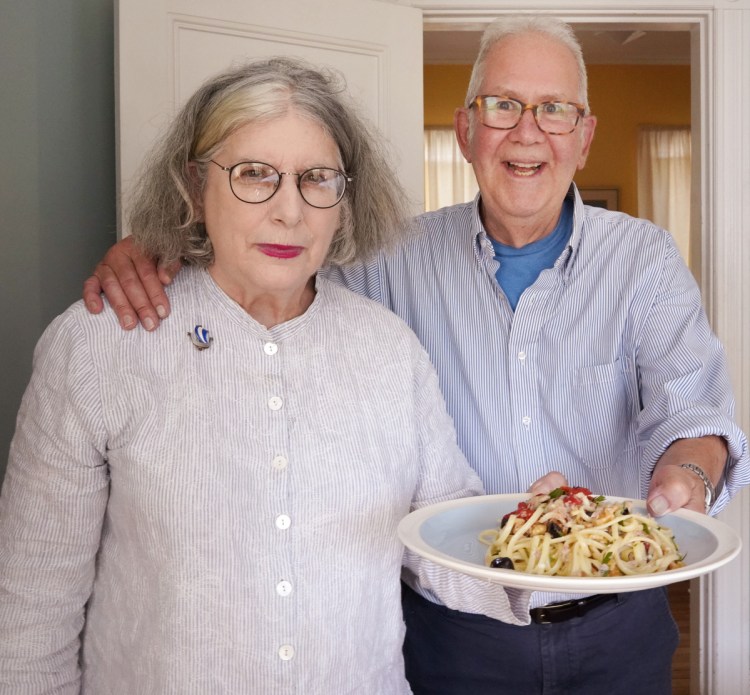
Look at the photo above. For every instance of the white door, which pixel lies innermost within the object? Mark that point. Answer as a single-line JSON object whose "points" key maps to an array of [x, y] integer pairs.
{"points": [[167, 48]]}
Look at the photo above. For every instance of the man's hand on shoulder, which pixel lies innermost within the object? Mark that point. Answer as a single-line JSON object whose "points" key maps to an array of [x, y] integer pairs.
{"points": [[133, 284]]}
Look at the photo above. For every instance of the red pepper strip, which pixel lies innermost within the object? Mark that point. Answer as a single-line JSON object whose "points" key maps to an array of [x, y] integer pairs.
{"points": [[571, 496], [523, 511]]}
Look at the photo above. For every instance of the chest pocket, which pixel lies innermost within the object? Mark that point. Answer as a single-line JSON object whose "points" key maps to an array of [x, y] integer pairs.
{"points": [[602, 414]]}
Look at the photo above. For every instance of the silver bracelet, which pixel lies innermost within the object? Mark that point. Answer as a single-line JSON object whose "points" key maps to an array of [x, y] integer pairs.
{"points": [[710, 490]]}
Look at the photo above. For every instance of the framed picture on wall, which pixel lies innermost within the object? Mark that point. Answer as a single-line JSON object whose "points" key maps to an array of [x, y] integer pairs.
{"points": [[606, 198]]}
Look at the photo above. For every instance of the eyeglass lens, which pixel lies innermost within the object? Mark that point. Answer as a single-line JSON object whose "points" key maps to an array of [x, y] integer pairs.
{"points": [[553, 117], [256, 182]]}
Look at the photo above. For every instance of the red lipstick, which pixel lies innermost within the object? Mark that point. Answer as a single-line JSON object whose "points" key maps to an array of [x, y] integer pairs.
{"points": [[280, 250]]}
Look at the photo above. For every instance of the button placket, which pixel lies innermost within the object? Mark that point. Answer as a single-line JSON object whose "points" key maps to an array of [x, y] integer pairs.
{"points": [[275, 403], [524, 364], [279, 499]]}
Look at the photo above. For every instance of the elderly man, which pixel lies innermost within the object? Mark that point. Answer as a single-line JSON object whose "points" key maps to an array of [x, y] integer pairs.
{"points": [[567, 339]]}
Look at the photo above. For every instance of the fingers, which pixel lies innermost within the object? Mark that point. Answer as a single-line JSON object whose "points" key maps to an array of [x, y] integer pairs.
{"points": [[675, 488], [92, 290], [132, 284], [547, 483], [145, 289], [112, 286], [141, 285], [166, 274]]}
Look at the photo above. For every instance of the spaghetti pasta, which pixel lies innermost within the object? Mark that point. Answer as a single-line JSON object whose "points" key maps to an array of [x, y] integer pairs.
{"points": [[570, 532]]}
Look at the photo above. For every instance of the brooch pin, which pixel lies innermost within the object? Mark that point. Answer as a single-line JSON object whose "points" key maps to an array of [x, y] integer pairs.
{"points": [[200, 338]]}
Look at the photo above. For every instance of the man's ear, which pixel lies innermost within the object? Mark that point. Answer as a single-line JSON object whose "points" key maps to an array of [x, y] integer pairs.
{"points": [[588, 127], [461, 127]]}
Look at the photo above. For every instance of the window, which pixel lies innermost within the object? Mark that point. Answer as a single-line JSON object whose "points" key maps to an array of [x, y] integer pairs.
{"points": [[664, 181], [448, 179]]}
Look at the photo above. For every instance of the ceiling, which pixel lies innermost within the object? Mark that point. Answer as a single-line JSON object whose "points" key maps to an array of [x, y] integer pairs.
{"points": [[620, 46]]}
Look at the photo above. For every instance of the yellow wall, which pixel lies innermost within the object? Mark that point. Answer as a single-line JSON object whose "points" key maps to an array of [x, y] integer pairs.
{"points": [[621, 96], [444, 90]]}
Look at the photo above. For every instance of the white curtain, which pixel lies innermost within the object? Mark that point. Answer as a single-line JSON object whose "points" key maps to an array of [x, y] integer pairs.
{"points": [[664, 181], [448, 179]]}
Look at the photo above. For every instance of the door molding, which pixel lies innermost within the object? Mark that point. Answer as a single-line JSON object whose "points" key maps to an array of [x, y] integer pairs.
{"points": [[720, 75]]}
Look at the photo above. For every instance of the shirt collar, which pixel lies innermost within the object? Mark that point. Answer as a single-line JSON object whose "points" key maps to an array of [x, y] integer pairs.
{"points": [[575, 237], [483, 245]]}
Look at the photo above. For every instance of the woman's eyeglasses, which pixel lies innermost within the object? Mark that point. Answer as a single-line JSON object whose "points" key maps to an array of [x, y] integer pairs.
{"points": [[256, 182]]}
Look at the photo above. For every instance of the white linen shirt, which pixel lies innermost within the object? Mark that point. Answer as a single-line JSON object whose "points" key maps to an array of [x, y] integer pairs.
{"points": [[223, 520]]}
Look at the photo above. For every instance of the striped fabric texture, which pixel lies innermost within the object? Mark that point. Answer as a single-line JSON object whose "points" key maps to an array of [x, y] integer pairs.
{"points": [[607, 359], [226, 516]]}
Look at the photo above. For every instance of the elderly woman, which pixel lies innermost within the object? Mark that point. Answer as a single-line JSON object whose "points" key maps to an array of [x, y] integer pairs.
{"points": [[212, 508]]}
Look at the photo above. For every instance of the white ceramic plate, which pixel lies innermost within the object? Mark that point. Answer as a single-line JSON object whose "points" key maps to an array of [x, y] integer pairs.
{"points": [[446, 534]]}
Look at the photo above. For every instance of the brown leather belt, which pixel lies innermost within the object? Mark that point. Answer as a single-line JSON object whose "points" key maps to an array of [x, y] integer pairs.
{"points": [[560, 612]]}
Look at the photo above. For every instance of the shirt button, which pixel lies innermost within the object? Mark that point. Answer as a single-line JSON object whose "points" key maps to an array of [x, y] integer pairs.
{"points": [[270, 348], [521, 355], [275, 403], [526, 420], [283, 522], [284, 588], [279, 463], [286, 652]]}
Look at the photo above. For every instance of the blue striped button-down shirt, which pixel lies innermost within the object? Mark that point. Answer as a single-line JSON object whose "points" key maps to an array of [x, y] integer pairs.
{"points": [[607, 359]]}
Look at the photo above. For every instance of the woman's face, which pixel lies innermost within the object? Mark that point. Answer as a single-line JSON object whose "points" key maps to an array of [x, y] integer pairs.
{"points": [[270, 250]]}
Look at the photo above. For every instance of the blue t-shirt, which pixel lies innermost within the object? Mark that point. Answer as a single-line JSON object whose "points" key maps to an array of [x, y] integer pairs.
{"points": [[520, 267]]}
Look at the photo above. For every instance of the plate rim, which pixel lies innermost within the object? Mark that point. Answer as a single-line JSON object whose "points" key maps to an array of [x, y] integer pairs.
{"points": [[729, 545]]}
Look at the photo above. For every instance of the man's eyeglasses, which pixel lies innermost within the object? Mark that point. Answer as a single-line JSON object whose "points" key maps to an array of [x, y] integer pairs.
{"points": [[552, 117], [256, 182]]}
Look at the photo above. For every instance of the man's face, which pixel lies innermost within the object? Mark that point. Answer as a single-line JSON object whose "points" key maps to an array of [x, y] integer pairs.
{"points": [[524, 173]]}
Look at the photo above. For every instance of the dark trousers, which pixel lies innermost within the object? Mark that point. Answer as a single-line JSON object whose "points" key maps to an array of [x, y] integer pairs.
{"points": [[622, 647]]}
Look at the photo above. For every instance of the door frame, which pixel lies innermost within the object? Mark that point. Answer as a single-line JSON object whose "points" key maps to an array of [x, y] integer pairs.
{"points": [[720, 61]]}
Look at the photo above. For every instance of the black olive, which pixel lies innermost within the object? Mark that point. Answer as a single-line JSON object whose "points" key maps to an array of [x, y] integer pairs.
{"points": [[555, 530], [504, 563]]}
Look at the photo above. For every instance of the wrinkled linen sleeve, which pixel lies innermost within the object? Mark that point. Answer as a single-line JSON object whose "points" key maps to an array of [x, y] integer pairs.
{"points": [[53, 500], [685, 388], [445, 474]]}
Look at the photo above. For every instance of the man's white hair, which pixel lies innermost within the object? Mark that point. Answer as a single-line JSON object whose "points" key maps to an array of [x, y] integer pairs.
{"points": [[513, 25]]}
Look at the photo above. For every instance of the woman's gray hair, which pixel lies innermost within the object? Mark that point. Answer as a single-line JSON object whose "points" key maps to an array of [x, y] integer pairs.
{"points": [[514, 25], [165, 217]]}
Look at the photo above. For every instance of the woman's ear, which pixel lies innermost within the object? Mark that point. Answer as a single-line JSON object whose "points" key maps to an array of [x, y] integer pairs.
{"points": [[195, 191]]}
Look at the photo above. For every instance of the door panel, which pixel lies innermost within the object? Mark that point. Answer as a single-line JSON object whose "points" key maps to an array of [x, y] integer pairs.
{"points": [[167, 48]]}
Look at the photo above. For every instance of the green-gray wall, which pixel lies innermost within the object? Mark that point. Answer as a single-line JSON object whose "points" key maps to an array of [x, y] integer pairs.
{"points": [[57, 171]]}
